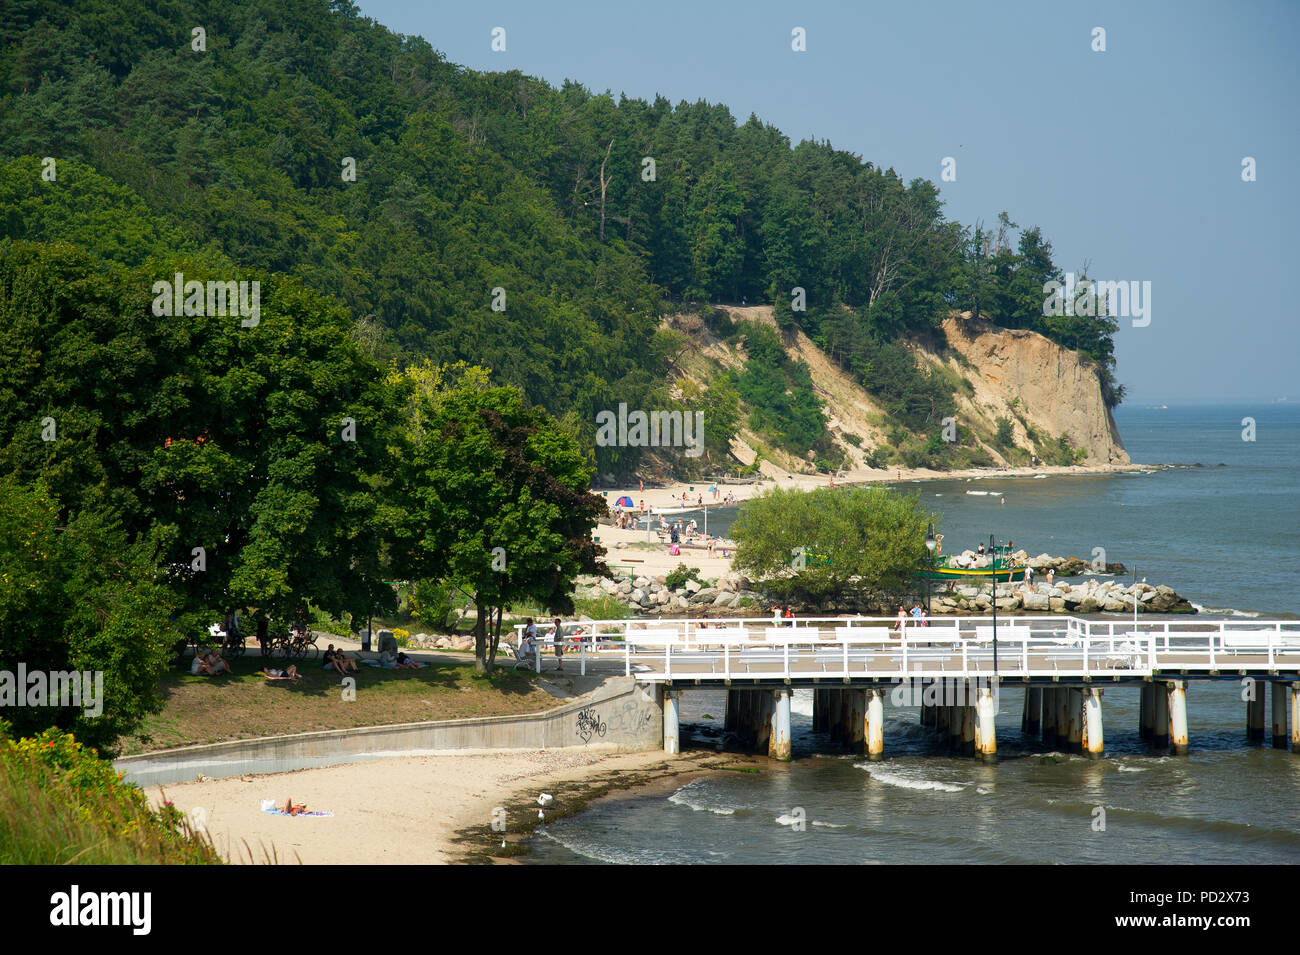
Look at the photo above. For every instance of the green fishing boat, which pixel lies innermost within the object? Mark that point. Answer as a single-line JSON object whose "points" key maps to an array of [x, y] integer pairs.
{"points": [[1005, 566]]}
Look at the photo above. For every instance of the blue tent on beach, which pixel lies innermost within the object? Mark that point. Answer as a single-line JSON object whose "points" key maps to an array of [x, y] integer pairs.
{"points": [[623, 501]]}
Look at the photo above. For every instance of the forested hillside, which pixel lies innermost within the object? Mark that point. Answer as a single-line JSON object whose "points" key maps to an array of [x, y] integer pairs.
{"points": [[493, 218]]}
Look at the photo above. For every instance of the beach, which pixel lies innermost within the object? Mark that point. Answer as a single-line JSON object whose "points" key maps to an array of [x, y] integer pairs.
{"points": [[627, 549], [404, 810]]}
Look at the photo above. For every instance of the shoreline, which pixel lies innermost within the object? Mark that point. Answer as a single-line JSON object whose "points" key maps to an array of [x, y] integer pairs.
{"points": [[670, 495], [445, 813]]}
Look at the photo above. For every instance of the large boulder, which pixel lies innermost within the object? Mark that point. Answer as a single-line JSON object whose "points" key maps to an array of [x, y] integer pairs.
{"points": [[692, 586], [705, 595], [1037, 602], [625, 587]]}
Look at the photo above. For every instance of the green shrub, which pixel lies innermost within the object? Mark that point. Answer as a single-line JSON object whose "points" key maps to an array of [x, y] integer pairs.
{"points": [[678, 577], [601, 608], [853, 439], [60, 803]]}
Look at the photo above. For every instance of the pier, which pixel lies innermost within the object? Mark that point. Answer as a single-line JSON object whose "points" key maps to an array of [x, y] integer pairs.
{"points": [[957, 670]]}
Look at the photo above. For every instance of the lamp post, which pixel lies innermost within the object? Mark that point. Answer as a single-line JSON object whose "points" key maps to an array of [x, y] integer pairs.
{"points": [[930, 543], [993, 566]]}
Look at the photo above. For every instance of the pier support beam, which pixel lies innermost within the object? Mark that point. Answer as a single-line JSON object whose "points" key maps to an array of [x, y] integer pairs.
{"points": [[1094, 742], [672, 743], [1049, 717], [986, 734], [1295, 718], [875, 724], [1255, 715], [967, 728], [1177, 690], [1063, 719], [1031, 718], [941, 720], [1159, 716], [764, 707], [1144, 711], [1279, 715], [778, 746], [954, 718], [1075, 725], [857, 720]]}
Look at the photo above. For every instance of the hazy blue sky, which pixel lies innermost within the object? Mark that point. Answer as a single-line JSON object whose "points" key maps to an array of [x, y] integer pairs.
{"points": [[1128, 159]]}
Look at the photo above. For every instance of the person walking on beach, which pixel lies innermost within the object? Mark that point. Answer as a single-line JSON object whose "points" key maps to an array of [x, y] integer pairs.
{"points": [[776, 616], [559, 646], [902, 620]]}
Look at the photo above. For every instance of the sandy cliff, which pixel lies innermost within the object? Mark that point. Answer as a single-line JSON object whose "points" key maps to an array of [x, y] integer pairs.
{"points": [[1056, 390]]}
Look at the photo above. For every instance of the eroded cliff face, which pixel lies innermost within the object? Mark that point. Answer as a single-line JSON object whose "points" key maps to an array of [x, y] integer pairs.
{"points": [[1058, 391]]}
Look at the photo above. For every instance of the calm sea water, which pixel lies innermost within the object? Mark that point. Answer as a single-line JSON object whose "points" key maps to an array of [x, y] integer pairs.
{"points": [[1225, 534]]}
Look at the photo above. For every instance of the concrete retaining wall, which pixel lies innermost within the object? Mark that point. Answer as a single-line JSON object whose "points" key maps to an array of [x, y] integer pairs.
{"points": [[621, 715]]}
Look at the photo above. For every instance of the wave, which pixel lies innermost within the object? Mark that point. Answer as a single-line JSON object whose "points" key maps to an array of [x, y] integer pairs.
{"points": [[979, 493], [611, 854], [829, 825], [1040, 477], [691, 797], [902, 782], [1227, 611]]}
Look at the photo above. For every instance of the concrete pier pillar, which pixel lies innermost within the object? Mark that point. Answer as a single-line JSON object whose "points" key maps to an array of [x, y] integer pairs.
{"points": [[875, 728], [1094, 742], [1177, 695], [729, 715], [1064, 721], [672, 743], [1159, 716], [764, 707], [857, 720], [1144, 711], [1049, 716], [778, 745], [927, 710], [1279, 715], [941, 720], [954, 718], [1255, 716], [1031, 719], [1075, 725], [967, 728], [986, 734], [1295, 718]]}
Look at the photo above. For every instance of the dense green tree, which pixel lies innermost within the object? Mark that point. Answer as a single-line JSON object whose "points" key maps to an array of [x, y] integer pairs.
{"points": [[828, 542]]}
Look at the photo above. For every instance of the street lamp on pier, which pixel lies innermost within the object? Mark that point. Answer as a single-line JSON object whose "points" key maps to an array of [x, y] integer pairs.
{"points": [[930, 543]]}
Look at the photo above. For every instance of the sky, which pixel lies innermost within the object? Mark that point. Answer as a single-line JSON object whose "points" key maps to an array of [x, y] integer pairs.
{"points": [[1129, 159]]}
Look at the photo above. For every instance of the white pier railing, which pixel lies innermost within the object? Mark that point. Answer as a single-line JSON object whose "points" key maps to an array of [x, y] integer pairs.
{"points": [[1030, 647]]}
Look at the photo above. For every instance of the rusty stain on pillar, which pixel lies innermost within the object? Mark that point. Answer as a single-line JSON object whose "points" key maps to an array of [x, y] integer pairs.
{"points": [[1255, 715], [1159, 716], [1177, 690], [1094, 742]]}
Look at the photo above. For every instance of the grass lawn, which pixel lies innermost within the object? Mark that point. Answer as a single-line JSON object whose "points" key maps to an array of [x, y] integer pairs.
{"points": [[199, 709]]}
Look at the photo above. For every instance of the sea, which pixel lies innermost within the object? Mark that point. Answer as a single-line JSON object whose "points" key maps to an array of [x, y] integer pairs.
{"points": [[1220, 524]]}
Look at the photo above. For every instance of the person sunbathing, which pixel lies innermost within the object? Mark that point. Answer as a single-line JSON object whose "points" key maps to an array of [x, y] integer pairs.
{"points": [[290, 674]]}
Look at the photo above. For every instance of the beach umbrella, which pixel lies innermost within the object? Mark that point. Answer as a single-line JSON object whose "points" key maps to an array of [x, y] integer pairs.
{"points": [[623, 501]]}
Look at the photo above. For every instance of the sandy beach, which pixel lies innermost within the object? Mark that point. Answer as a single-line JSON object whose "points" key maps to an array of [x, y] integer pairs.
{"points": [[654, 560], [404, 810]]}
